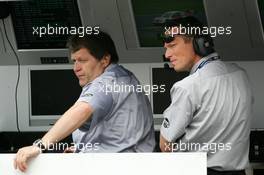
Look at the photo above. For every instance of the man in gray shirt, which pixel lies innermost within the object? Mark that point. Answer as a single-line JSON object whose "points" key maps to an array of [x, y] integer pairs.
{"points": [[107, 117], [122, 119], [211, 109]]}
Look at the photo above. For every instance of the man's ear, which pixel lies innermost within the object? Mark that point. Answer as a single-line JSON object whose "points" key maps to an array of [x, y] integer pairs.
{"points": [[106, 60]]}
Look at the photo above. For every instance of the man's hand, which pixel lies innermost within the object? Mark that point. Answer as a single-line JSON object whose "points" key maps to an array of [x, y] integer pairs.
{"points": [[69, 150], [72, 119], [165, 146], [23, 155]]}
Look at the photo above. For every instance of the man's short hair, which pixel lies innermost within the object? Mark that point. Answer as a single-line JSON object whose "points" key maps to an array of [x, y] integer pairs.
{"points": [[188, 21], [98, 45], [193, 31]]}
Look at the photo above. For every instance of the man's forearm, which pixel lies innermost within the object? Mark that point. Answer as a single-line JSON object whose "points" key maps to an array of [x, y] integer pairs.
{"points": [[70, 121]]}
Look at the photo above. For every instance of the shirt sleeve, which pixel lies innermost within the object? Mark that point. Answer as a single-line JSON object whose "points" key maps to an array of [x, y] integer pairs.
{"points": [[177, 116], [100, 101]]}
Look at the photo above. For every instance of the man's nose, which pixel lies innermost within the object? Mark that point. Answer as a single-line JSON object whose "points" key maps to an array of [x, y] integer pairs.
{"points": [[76, 66], [168, 54]]}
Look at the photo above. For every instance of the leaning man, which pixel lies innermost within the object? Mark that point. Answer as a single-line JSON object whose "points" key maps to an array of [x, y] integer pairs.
{"points": [[102, 120]]}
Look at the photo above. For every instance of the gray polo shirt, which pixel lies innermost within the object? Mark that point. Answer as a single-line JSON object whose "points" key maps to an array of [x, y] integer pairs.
{"points": [[122, 120], [211, 111]]}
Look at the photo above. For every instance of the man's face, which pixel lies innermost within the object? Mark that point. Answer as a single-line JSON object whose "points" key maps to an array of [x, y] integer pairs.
{"points": [[181, 54], [86, 66]]}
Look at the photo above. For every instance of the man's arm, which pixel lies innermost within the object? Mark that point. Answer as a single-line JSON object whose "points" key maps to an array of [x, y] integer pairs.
{"points": [[176, 118], [70, 121]]}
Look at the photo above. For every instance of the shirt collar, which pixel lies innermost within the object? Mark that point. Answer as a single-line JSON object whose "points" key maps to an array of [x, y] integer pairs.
{"points": [[195, 67], [110, 66]]}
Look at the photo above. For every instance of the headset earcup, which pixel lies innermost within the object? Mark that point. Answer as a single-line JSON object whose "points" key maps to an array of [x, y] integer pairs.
{"points": [[203, 46], [196, 46], [4, 10]]}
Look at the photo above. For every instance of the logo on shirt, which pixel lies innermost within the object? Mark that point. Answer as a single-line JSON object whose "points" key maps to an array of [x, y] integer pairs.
{"points": [[166, 123], [87, 95]]}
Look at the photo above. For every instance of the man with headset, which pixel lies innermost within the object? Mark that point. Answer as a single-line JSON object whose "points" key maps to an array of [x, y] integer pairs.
{"points": [[210, 110]]}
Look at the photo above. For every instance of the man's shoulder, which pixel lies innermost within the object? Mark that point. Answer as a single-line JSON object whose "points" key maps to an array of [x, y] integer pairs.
{"points": [[233, 67], [186, 82], [116, 71]]}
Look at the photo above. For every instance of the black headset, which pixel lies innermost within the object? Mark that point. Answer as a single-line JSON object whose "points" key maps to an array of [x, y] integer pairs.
{"points": [[4, 10], [203, 45]]}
